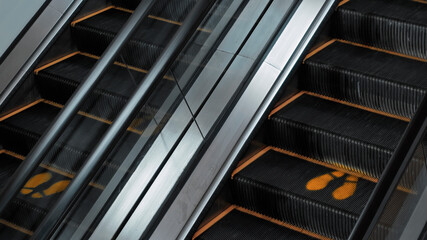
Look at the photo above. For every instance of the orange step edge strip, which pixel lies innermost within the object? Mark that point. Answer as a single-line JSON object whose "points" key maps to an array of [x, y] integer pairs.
{"points": [[13, 113], [16, 227], [130, 129], [250, 160], [325, 45], [52, 169], [281, 223], [61, 106], [93, 57], [299, 94], [73, 23], [257, 215], [382, 50], [213, 221], [162, 19], [55, 62]]}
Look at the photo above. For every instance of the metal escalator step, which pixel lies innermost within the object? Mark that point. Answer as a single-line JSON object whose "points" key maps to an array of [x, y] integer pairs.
{"points": [[20, 132], [27, 212], [303, 194], [9, 231], [58, 82], [395, 25], [366, 77], [338, 134], [175, 10], [237, 225], [94, 34]]}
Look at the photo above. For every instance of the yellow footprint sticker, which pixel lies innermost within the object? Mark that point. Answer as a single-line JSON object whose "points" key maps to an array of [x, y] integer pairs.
{"points": [[343, 192], [40, 179]]}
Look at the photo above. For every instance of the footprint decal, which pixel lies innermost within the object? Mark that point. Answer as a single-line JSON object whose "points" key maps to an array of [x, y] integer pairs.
{"points": [[40, 179], [343, 192]]}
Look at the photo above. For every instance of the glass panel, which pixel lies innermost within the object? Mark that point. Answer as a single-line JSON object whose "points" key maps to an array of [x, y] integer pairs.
{"points": [[405, 197], [166, 106]]}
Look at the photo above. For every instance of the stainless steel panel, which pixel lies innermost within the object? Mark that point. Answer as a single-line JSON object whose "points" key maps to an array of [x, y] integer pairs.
{"points": [[243, 119]]}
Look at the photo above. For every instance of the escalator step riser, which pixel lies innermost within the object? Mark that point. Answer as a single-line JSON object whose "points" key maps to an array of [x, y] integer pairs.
{"points": [[134, 53], [408, 38], [330, 148], [361, 89], [291, 209]]}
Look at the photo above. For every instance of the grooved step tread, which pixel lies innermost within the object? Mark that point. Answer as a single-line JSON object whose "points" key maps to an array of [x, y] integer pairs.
{"points": [[395, 25], [343, 120], [110, 95], [306, 180], [381, 65], [237, 225], [151, 31], [20, 132], [403, 10], [363, 76]]}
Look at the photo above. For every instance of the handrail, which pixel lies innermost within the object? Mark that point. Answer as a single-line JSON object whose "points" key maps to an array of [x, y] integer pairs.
{"points": [[125, 117], [392, 173], [72, 106]]}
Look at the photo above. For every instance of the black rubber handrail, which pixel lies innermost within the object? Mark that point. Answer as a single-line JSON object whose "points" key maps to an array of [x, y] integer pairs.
{"points": [[65, 116], [57, 214], [392, 174]]}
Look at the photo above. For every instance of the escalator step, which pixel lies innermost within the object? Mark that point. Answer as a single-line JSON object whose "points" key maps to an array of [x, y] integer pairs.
{"points": [[366, 77], [396, 25], [175, 10], [94, 34], [111, 93], [20, 132], [8, 165], [27, 212], [303, 194], [237, 225], [10, 231], [335, 133]]}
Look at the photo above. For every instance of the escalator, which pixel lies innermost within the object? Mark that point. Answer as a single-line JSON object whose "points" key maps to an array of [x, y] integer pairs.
{"points": [[322, 149], [55, 82]]}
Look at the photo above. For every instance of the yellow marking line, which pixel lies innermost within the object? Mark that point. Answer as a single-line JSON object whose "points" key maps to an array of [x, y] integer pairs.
{"points": [[405, 119], [343, 2], [213, 221], [130, 129], [19, 110], [250, 160], [281, 106], [91, 15], [420, 1], [287, 102], [328, 165], [382, 50], [281, 223], [320, 48], [55, 62], [55, 170], [162, 19], [124, 65], [331, 166], [16, 227]]}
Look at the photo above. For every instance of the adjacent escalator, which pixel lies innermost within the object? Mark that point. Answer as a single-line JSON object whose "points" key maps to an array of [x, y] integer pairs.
{"points": [[326, 145], [56, 81]]}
